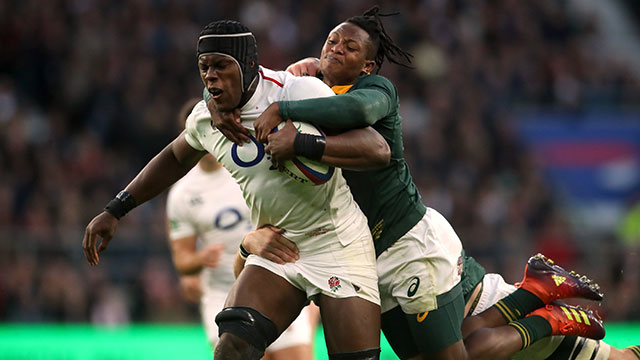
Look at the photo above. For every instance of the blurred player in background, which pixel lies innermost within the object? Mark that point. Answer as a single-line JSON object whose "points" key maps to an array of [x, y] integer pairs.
{"points": [[207, 218], [337, 259], [420, 257]]}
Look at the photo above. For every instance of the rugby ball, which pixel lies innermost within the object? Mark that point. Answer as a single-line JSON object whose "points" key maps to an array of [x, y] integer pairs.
{"points": [[303, 170]]}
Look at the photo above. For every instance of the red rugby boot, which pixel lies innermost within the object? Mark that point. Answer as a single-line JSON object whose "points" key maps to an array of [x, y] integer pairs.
{"points": [[550, 282], [571, 320]]}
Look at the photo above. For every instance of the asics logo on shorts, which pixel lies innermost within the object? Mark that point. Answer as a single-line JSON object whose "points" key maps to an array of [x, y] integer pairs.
{"points": [[413, 287]]}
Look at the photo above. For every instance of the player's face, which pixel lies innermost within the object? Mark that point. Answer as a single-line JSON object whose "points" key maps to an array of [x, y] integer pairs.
{"points": [[221, 76], [344, 55]]}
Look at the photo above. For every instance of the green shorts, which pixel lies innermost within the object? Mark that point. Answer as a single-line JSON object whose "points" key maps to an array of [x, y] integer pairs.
{"points": [[430, 331]]}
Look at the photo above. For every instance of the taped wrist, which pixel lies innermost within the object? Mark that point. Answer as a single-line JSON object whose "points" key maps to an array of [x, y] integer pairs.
{"points": [[244, 253], [309, 146], [121, 205]]}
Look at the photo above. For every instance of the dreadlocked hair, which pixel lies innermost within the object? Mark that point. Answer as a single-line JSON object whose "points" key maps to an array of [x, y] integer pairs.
{"points": [[383, 45]]}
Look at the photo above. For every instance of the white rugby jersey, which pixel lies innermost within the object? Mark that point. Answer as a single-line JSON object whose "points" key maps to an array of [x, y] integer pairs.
{"points": [[210, 205], [310, 215]]}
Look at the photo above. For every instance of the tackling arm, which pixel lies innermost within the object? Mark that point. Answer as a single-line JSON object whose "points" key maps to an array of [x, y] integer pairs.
{"points": [[266, 242], [238, 265], [354, 109], [358, 149]]}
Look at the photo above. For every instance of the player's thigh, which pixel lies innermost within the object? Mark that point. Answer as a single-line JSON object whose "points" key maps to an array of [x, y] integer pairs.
{"points": [[494, 288], [435, 334], [268, 293], [423, 264], [350, 324], [483, 314], [395, 327]]}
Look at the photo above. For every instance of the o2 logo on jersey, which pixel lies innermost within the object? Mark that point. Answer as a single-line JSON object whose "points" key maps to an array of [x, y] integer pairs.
{"points": [[228, 218], [249, 154]]}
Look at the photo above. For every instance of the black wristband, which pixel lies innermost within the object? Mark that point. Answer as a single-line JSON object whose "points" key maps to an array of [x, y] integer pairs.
{"points": [[244, 253], [309, 146], [121, 205]]}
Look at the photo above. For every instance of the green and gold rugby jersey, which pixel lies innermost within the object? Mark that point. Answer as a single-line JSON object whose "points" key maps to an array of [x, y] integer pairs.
{"points": [[387, 196]]}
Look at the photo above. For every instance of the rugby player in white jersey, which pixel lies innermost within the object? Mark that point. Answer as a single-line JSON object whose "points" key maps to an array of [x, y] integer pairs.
{"points": [[207, 218], [337, 260]]}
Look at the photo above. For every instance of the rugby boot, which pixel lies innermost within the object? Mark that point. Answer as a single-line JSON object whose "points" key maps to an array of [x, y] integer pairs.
{"points": [[571, 320], [550, 282]]}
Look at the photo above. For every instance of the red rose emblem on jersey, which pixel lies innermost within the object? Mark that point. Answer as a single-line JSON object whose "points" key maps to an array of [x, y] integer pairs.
{"points": [[334, 283], [460, 265]]}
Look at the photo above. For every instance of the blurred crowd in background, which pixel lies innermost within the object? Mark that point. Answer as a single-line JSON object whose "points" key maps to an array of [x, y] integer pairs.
{"points": [[90, 91]]}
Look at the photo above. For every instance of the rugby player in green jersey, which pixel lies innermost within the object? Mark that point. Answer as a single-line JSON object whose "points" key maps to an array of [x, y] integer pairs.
{"points": [[420, 258]]}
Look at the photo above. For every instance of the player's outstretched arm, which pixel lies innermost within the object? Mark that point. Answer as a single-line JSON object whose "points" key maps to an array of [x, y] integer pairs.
{"points": [[171, 164]]}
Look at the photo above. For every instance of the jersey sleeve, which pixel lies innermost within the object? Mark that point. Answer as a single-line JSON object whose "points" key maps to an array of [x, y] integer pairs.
{"points": [[178, 216], [306, 87], [360, 107], [192, 135]]}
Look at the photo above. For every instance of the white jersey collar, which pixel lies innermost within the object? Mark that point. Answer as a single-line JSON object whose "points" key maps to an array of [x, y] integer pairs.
{"points": [[254, 101]]}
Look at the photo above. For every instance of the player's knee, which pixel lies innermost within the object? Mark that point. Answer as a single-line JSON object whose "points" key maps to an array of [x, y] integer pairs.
{"points": [[249, 329], [369, 354], [231, 347]]}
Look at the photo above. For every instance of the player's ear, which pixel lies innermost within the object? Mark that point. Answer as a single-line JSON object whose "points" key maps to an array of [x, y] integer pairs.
{"points": [[369, 65]]}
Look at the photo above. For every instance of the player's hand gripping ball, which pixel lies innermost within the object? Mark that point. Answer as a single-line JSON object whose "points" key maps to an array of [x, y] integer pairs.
{"points": [[303, 170]]}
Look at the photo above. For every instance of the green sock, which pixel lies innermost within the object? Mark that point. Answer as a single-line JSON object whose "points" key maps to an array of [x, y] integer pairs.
{"points": [[531, 329], [635, 350], [518, 304]]}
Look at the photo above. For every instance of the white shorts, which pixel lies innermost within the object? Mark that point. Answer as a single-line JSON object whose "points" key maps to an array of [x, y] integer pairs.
{"points": [[337, 270], [494, 288], [298, 333], [422, 264]]}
